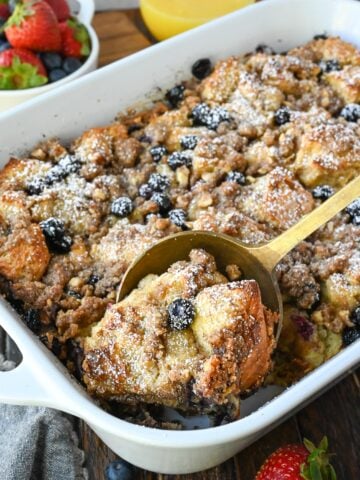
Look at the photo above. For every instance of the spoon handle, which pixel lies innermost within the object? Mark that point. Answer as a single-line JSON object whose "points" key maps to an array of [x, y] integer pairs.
{"points": [[271, 253]]}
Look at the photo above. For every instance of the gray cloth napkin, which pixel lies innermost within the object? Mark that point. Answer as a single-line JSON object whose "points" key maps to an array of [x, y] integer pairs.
{"points": [[37, 443]]}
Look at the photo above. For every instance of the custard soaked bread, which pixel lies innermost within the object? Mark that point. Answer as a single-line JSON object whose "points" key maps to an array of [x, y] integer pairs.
{"points": [[188, 339]]}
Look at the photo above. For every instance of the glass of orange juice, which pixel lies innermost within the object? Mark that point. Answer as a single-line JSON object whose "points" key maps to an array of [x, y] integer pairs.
{"points": [[166, 18]]}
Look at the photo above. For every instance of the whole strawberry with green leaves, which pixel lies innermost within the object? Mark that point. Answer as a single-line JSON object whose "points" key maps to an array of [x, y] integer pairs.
{"points": [[20, 68], [298, 462], [75, 40]]}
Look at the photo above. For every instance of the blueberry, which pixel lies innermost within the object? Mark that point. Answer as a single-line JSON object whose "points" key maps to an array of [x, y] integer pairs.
{"points": [[162, 201], [55, 235], [35, 187], [158, 152], [189, 142], [51, 60], [237, 177], [203, 115], [282, 116], [145, 191], [263, 48], [158, 182], [351, 112], [134, 128], [122, 207], [119, 470], [181, 313], [350, 334], [4, 45], [201, 68], [71, 64], [178, 217], [323, 192], [175, 95], [74, 294], [179, 159], [355, 316], [320, 36], [62, 169], [329, 65], [56, 75], [354, 211], [93, 279], [32, 320]]}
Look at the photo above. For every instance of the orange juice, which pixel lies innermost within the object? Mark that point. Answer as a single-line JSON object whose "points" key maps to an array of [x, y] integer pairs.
{"points": [[166, 18]]}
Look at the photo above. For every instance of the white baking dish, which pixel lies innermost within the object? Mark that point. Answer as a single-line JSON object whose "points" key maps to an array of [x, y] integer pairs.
{"points": [[96, 99]]}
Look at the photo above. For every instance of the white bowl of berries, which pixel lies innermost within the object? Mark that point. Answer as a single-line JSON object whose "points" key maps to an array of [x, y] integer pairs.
{"points": [[44, 44]]}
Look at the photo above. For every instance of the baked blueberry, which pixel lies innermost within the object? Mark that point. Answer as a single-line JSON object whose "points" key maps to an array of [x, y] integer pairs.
{"points": [[350, 335], [203, 115], [201, 68], [175, 95], [135, 127], [55, 235], [35, 187], [71, 64], [181, 313], [32, 320], [93, 279], [327, 66], [355, 316], [178, 217], [263, 48], [74, 294], [158, 152], [189, 142], [282, 116], [62, 169], [122, 207], [320, 36], [179, 159], [351, 112], [51, 60], [56, 75], [145, 191], [323, 192], [162, 201], [237, 177], [158, 182], [119, 470], [354, 211]]}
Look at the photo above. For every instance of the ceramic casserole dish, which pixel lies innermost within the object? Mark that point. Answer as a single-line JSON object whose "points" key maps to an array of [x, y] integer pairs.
{"points": [[40, 379]]}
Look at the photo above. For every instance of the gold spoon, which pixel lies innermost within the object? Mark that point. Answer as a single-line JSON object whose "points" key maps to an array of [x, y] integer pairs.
{"points": [[255, 262]]}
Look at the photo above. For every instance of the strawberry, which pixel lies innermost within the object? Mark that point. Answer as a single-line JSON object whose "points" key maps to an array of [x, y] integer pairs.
{"points": [[298, 462], [74, 38], [20, 68], [4, 10], [33, 25], [61, 9]]}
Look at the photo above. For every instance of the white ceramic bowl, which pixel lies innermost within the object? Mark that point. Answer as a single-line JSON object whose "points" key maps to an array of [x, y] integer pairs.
{"points": [[95, 100], [10, 98]]}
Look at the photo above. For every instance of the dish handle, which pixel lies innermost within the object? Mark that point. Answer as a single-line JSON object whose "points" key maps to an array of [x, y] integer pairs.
{"points": [[86, 12]]}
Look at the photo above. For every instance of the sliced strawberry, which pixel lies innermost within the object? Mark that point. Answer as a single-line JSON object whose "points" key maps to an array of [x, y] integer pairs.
{"points": [[34, 25], [61, 9], [75, 40], [20, 68]]}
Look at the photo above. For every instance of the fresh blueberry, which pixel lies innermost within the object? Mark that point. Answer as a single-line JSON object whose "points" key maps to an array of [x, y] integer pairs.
{"points": [[351, 112], [179, 159], [181, 313], [162, 201], [119, 470], [282, 116], [320, 36], [158, 152], [4, 45], [263, 48], [71, 64], [32, 320], [189, 142], [93, 279], [51, 60], [329, 65], [203, 115], [175, 95], [350, 334], [178, 217], [237, 177], [158, 182], [122, 207], [354, 211], [355, 316], [56, 75], [145, 191], [55, 235], [201, 68], [323, 192]]}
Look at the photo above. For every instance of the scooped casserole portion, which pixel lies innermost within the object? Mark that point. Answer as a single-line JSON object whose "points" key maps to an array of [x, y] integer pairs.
{"points": [[245, 147]]}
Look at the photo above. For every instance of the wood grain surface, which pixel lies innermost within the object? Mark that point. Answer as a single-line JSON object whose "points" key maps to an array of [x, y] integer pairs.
{"points": [[336, 413]]}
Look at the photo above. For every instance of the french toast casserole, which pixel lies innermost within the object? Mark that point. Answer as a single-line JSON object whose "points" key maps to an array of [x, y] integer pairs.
{"points": [[244, 147]]}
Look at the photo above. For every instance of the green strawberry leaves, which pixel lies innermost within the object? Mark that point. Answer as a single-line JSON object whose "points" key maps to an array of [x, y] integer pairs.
{"points": [[81, 35], [20, 13], [317, 466], [20, 75]]}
